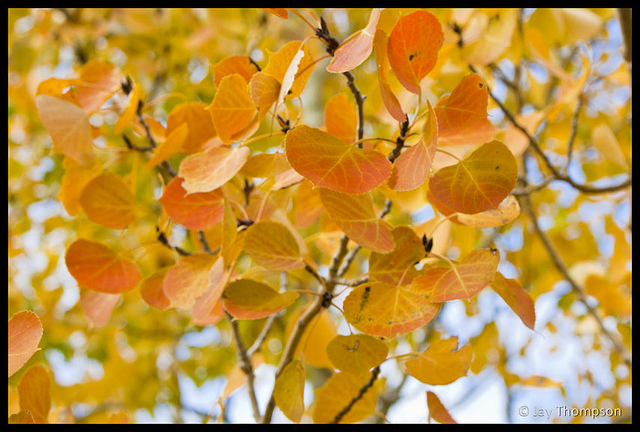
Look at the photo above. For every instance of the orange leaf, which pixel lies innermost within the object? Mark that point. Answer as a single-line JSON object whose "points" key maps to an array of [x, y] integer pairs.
{"points": [[239, 64], [201, 128], [440, 363], [69, 127], [279, 12], [413, 48], [506, 213], [341, 118], [152, 292], [315, 338], [264, 91], [34, 393], [479, 182], [232, 109], [480, 133], [328, 162], [210, 169], [25, 332], [199, 211], [97, 267], [188, 279], [281, 61], [357, 353], [98, 82], [516, 297], [354, 214], [356, 48], [98, 306], [204, 308], [248, 299], [271, 245], [465, 106], [444, 282], [108, 201], [74, 179], [308, 205], [390, 101], [412, 167], [437, 411], [171, 146], [129, 112], [288, 390], [397, 267]]}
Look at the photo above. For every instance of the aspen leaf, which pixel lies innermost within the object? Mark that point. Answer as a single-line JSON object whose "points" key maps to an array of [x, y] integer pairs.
{"points": [[289, 77], [129, 112], [98, 306], [152, 291], [232, 109], [607, 144], [411, 169], [413, 48], [476, 135], [248, 299], [210, 169], [74, 179], [198, 119], [437, 411], [506, 213], [328, 162], [199, 211], [21, 417], [288, 391], [69, 128], [107, 200], [264, 91], [357, 353], [171, 146], [281, 62], [477, 183], [397, 267], [237, 64], [271, 245], [25, 332], [465, 106], [341, 118], [338, 392], [279, 12], [188, 279], [204, 308], [389, 99], [99, 81], [356, 48], [97, 267], [441, 363], [265, 165], [34, 392], [315, 339], [444, 282], [516, 297], [495, 39], [355, 215], [308, 205]]}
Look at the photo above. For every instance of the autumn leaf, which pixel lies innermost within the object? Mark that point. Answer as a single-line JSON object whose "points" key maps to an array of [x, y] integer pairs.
{"points": [[34, 391], [98, 306], [338, 392], [357, 353], [354, 50], [272, 246], [341, 118], [74, 180], [232, 109], [413, 48], [315, 339], [264, 91], [187, 280], [99, 81], [204, 310], [397, 267], [465, 106], [199, 211], [171, 146], [355, 215], [25, 332], [212, 168], [437, 411], [328, 162], [199, 122], [248, 299], [477, 183], [450, 281], [441, 363], [237, 64], [97, 267], [152, 292], [516, 297], [493, 40], [288, 391], [280, 62], [508, 211], [130, 110], [389, 99], [107, 200]]}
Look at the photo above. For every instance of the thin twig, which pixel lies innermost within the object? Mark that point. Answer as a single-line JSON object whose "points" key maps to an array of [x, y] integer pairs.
{"points": [[374, 375]]}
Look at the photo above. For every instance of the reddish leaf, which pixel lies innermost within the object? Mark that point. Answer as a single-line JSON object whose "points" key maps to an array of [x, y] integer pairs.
{"points": [[356, 48], [248, 299], [355, 215], [98, 306], [413, 48], [271, 245], [25, 332], [188, 279], [328, 162], [152, 292], [98, 82], [516, 297], [205, 307], [107, 200], [465, 106], [97, 267], [444, 282], [210, 169], [390, 101], [479, 182], [341, 118], [199, 211]]}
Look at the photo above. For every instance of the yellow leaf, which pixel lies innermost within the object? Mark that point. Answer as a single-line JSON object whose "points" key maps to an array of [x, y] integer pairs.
{"points": [[441, 363], [357, 353], [338, 392], [288, 391], [108, 201], [232, 109], [33, 389]]}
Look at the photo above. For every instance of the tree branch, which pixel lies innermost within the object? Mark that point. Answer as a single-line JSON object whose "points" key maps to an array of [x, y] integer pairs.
{"points": [[374, 375]]}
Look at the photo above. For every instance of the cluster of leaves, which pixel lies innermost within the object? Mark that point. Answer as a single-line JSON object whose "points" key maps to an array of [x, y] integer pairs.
{"points": [[232, 210]]}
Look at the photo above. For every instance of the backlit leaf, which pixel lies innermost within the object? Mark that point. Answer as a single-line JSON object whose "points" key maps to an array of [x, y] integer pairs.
{"points": [[34, 391], [188, 279], [288, 391], [465, 106], [516, 297], [232, 109], [504, 214], [389, 99], [152, 291], [271, 245], [397, 267], [338, 392], [441, 363], [315, 339], [99, 81], [107, 200], [341, 118], [204, 308], [98, 306], [74, 179], [238, 64], [210, 169], [477, 183], [494, 40], [198, 119], [357, 353], [328, 162], [355, 215], [129, 112], [69, 127], [356, 48], [248, 299], [280, 62], [97, 267], [437, 411], [264, 91], [412, 167], [171, 146], [444, 282], [199, 211], [25, 332], [413, 48]]}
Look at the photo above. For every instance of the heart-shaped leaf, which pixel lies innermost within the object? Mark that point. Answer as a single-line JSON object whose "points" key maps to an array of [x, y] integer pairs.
{"points": [[272, 246], [357, 353], [248, 299], [107, 200], [210, 169], [356, 48], [199, 211], [25, 332], [465, 106], [441, 363]]}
